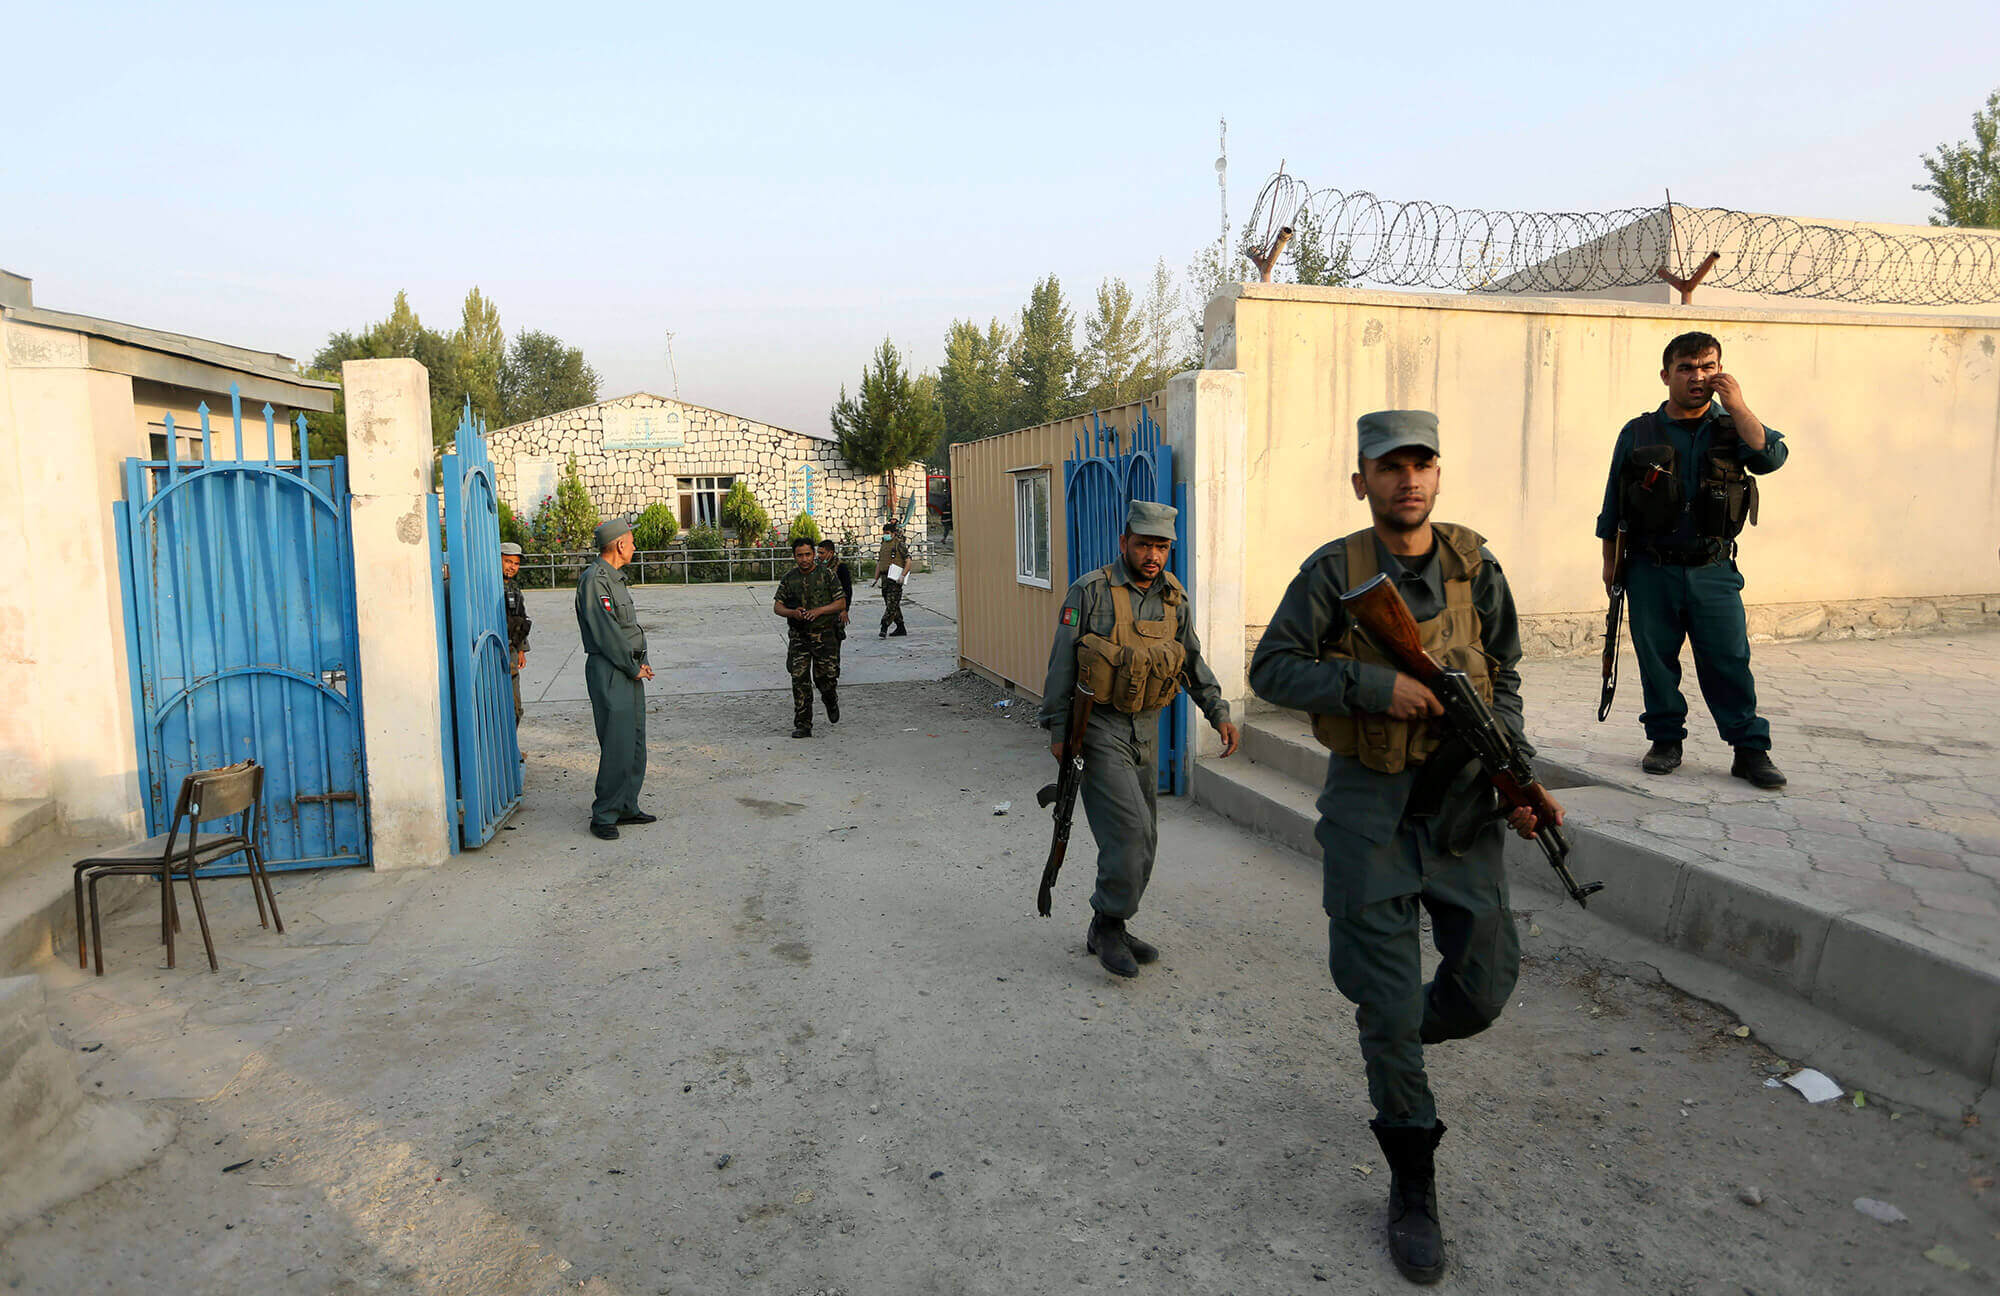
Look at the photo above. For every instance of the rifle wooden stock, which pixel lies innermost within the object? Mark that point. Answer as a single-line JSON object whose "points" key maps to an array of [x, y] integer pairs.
{"points": [[1380, 610]]}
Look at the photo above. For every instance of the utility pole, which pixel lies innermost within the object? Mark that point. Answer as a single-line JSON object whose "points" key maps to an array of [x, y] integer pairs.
{"points": [[671, 368]]}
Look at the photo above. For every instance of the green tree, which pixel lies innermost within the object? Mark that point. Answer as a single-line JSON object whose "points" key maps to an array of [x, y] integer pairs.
{"points": [[972, 384], [1113, 343], [1159, 330], [1042, 362], [1309, 258], [567, 521], [892, 421], [481, 352], [804, 527], [1965, 177], [655, 527], [401, 336], [542, 376], [742, 513]]}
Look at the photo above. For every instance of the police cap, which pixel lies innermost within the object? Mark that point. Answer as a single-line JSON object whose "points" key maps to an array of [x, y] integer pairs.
{"points": [[1387, 430]]}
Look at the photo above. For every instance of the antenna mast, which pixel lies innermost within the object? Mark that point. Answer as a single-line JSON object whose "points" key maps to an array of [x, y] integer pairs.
{"points": [[1222, 188], [671, 367]]}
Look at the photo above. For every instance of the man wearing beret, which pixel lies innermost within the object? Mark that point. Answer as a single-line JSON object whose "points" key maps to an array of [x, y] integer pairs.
{"points": [[616, 672], [1406, 826], [1135, 612], [518, 620]]}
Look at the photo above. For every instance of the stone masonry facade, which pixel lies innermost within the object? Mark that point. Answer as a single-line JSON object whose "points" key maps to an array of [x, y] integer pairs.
{"points": [[789, 472]]}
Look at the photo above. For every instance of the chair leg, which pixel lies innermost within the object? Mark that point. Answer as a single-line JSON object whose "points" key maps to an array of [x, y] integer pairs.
{"points": [[96, 930], [256, 891], [265, 873], [201, 915], [76, 885]]}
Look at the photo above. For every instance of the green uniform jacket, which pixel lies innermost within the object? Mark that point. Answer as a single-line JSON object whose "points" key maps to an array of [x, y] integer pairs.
{"points": [[1086, 610], [895, 551], [1286, 670], [810, 589], [605, 615]]}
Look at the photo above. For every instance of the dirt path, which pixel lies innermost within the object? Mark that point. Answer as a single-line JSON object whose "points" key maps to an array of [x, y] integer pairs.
{"points": [[804, 1035]]}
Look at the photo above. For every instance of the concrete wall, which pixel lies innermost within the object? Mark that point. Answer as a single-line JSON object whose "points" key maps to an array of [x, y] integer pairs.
{"points": [[62, 626], [1005, 626], [770, 460], [1892, 491]]}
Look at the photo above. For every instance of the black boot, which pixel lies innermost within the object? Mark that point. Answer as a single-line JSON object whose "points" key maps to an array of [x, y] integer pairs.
{"points": [[1662, 758], [1756, 766], [1142, 951], [832, 707], [1416, 1241], [1107, 940]]}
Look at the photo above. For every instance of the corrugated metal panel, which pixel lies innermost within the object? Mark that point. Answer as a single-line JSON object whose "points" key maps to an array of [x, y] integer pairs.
{"points": [[1005, 626]]}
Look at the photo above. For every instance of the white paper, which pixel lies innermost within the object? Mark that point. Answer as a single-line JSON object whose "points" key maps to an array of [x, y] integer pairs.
{"points": [[1816, 1086], [1880, 1211], [895, 573]]}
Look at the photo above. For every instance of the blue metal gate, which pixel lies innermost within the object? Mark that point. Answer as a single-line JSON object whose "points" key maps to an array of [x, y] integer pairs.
{"points": [[238, 582], [483, 751], [1099, 481]]}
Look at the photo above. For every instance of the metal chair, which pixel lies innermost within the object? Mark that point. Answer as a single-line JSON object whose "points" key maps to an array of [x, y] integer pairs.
{"points": [[206, 796]]}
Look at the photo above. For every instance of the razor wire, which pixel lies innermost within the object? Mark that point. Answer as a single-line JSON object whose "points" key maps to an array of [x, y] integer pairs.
{"points": [[1420, 244]]}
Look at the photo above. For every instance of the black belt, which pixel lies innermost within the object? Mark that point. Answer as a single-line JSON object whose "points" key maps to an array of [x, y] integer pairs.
{"points": [[1700, 555]]}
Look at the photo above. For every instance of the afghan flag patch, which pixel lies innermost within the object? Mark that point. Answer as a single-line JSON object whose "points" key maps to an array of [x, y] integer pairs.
{"points": [[1069, 616], [605, 599]]}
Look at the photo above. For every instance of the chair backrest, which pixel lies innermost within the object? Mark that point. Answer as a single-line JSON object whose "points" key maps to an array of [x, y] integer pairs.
{"points": [[208, 795]]}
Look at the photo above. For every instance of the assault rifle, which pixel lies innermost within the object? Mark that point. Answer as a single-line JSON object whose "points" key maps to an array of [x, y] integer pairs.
{"points": [[1379, 610], [1062, 792], [1619, 560]]}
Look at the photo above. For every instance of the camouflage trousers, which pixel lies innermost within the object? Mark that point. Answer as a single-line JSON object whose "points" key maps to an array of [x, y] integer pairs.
{"points": [[892, 605], [812, 656]]}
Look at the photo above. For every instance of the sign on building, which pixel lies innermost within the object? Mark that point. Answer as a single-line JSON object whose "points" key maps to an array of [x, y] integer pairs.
{"points": [[643, 428]]}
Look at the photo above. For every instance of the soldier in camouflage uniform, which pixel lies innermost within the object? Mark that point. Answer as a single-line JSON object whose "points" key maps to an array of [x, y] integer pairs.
{"points": [[893, 550], [809, 599], [518, 620]]}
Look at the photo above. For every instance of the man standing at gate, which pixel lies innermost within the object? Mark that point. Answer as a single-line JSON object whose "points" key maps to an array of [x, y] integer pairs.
{"points": [[1406, 825], [1126, 631], [809, 599], [892, 556], [518, 620], [1680, 491], [615, 671]]}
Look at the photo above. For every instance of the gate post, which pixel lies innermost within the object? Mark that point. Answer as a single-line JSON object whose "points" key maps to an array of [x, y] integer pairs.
{"points": [[389, 473], [1206, 425]]}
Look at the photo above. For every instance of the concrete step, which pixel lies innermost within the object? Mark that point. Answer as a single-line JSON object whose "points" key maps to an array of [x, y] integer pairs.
{"points": [[37, 910], [20, 816], [1283, 741], [1261, 798]]}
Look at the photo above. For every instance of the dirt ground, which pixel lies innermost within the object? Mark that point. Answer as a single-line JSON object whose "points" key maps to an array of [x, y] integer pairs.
{"points": [[806, 1035]]}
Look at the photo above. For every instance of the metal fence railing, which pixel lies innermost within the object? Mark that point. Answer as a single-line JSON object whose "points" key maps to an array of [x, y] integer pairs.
{"points": [[681, 565]]}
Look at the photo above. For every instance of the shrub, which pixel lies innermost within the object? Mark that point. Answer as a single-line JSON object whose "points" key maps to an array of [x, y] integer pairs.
{"points": [[743, 514], [566, 521], [806, 526], [704, 550], [655, 528], [510, 526]]}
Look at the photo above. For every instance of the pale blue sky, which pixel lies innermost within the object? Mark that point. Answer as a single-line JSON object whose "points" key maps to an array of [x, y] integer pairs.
{"points": [[783, 185]]}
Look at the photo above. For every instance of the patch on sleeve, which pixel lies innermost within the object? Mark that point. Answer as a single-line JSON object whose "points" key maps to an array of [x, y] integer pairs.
{"points": [[1069, 616], [605, 600]]}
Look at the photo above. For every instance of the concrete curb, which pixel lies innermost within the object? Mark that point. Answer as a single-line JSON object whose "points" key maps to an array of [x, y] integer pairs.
{"points": [[37, 906], [1931, 997]]}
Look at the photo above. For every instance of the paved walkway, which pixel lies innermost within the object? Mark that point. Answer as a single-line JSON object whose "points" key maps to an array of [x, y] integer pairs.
{"points": [[1892, 747]]}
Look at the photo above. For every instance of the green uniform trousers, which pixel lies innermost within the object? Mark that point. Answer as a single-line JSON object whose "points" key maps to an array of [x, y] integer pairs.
{"points": [[1703, 607], [892, 604], [1121, 789], [812, 656], [618, 706], [1375, 950]]}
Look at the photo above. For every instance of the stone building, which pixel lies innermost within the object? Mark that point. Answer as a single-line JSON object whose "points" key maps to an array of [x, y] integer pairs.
{"points": [[640, 450]]}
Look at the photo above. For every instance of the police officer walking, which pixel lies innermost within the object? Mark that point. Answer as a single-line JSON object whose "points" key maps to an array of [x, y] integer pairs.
{"points": [[615, 671], [1404, 834], [1680, 490], [1127, 630], [892, 551], [518, 620], [810, 600]]}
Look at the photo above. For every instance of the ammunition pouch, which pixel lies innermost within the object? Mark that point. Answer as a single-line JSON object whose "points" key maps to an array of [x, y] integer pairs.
{"points": [[1139, 667]]}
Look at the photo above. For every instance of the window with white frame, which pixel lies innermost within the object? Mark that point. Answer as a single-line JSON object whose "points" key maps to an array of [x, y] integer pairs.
{"points": [[1031, 527], [701, 499]]}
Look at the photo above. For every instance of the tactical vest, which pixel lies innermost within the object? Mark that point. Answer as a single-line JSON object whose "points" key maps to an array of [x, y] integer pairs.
{"points": [[1653, 495], [1453, 636], [1139, 667]]}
